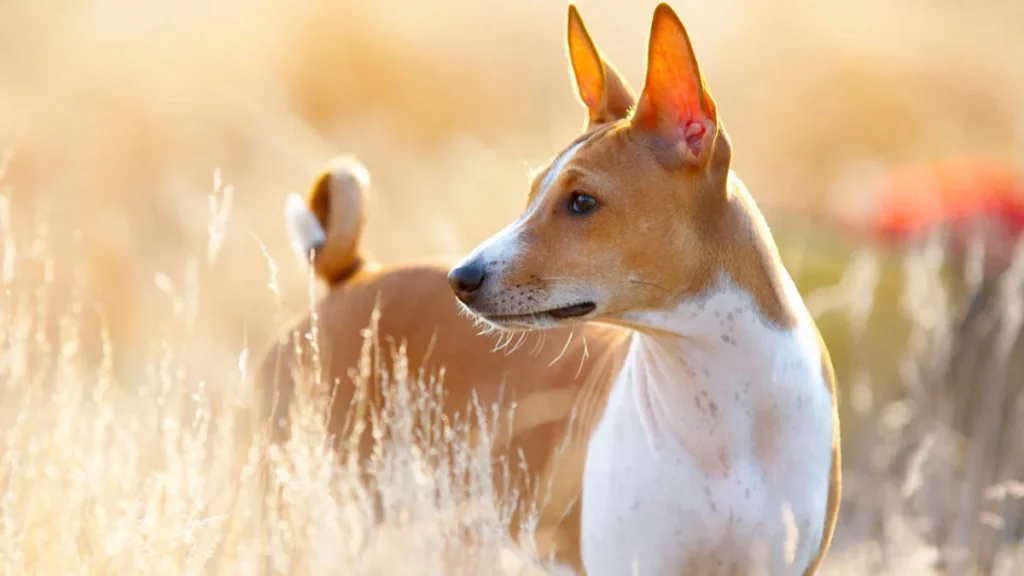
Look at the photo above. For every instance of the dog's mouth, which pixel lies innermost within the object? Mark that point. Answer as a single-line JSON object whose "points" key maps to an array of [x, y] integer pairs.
{"points": [[574, 311], [563, 313]]}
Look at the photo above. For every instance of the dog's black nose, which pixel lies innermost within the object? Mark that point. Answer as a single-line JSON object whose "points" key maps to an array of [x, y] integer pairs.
{"points": [[465, 280]]}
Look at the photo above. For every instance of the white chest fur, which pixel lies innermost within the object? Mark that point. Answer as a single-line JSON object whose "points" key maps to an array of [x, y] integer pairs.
{"points": [[714, 452]]}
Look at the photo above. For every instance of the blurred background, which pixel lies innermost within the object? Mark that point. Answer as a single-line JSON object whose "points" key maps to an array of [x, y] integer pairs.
{"points": [[116, 115]]}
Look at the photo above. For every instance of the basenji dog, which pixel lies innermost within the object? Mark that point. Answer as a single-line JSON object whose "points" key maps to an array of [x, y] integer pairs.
{"points": [[556, 384], [718, 449]]}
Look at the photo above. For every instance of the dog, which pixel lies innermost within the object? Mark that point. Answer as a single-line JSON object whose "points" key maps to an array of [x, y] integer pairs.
{"points": [[718, 451], [556, 384]]}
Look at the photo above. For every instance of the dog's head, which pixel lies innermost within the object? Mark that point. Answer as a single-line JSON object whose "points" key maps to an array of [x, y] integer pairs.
{"points": [[626, 217]]}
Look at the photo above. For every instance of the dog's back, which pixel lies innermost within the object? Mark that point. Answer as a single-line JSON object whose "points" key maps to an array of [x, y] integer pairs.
{"points": [[549, 377]]}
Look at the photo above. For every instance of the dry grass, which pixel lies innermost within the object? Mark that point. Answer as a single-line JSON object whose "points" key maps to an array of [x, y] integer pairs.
{"points": [[173, 474], [130, 299], [932, 474]]}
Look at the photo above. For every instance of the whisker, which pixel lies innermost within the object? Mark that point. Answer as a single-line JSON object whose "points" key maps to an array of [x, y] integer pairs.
{"points": [[519, 343], [651, 284], [562, 285], [583, 358], [564, 348], [540, 343], [503, 341]]}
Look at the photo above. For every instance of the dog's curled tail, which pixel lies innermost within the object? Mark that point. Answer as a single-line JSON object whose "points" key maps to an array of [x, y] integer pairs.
{"points": [[327, 224]]}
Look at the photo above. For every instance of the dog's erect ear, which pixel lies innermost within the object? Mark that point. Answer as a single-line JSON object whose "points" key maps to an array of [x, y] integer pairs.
{"points": [[675, 102], [602, 90]]}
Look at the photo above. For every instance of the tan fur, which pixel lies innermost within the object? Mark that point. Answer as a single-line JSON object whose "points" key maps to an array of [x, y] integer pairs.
{"points": [[547, 375], [669, 218], [337, 199], [600, 88]]}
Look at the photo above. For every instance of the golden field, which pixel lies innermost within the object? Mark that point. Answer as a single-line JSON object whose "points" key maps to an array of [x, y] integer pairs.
{"points": [[148, 151]]}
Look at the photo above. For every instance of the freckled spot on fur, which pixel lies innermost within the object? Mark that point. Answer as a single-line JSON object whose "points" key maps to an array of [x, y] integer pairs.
{"points": [[710, 499]]}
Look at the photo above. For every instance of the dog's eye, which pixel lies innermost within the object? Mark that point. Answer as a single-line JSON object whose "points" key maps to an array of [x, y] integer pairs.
{"points": [[580, 203]]}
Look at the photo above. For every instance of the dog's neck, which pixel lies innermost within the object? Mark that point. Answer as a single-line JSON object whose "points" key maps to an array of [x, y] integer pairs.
{"points": [[702, 372], [751, 283]]}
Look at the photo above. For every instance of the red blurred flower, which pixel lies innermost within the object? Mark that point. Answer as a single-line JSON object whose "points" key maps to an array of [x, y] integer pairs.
{"points": [[913, 200]]}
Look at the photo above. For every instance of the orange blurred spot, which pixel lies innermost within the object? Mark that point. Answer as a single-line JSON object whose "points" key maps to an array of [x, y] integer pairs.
{"points": [[913, 199]]}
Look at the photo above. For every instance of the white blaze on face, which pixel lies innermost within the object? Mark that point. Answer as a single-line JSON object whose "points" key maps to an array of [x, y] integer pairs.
{"points": [[503, 247], [556, 168]]}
